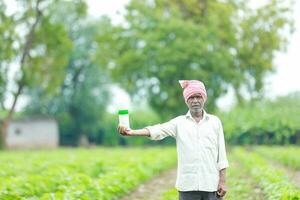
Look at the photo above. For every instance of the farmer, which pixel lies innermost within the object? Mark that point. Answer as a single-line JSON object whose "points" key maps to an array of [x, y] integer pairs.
{"points": [[202, 159]]}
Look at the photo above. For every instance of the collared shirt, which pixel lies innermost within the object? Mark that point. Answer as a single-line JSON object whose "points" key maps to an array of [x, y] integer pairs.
{"points": [[200, 150]]}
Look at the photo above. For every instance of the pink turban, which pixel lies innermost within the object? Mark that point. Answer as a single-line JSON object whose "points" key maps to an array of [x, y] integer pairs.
{"points": [[191, 87]]}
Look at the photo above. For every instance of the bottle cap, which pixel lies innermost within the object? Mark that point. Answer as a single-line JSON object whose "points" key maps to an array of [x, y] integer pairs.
{"points": [[123, 112]]}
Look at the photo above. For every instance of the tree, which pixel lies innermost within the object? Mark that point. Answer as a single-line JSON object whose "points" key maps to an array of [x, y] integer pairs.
{"points": [[6, 49], [40, 46], [81, 102], [223, 43]]}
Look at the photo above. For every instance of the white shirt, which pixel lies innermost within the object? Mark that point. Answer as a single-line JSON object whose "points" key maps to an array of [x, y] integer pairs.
{"points": [[200, 150]]}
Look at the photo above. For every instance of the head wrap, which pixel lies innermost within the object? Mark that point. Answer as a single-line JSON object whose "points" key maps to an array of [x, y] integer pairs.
{"points": [[191, 87]]}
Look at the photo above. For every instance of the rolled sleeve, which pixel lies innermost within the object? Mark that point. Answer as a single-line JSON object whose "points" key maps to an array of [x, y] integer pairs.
{"points": [[160, 131], [222, 157]]}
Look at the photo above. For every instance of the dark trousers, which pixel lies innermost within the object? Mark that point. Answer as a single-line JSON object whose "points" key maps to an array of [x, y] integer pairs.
{"points": [[198, 195]]}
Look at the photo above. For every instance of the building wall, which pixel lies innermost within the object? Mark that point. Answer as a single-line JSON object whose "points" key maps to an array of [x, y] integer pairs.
{"points": [[37, 133]]}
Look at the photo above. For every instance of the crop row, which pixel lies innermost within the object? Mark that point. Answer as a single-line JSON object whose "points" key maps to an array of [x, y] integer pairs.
{"points": [[286, 155], [273, 182], [79, 173]]}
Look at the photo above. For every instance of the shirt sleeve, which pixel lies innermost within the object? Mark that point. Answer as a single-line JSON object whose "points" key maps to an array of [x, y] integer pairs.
{"points": [[222, 157], [160, 131]]}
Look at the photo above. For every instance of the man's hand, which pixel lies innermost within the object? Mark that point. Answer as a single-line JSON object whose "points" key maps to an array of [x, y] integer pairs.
{"points": [[123, 130], [221, 189]]}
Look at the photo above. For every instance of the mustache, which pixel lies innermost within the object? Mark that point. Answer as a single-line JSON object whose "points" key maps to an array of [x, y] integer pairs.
{"points": [[196, 104]]}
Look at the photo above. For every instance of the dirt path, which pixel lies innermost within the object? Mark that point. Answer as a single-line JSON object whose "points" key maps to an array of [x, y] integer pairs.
{"points": [[295, 176], [240, 183], [291, 173], [154, 188]]}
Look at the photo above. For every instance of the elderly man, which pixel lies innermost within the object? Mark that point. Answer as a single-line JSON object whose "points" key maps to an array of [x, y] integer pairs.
{"points": [[202, 160]]}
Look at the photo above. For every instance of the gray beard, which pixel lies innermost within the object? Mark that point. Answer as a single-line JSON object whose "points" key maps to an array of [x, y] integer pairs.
{"points": [[196, 111]]}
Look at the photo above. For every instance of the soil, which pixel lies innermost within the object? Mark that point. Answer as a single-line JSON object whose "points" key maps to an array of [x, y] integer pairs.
{"points": [[294, 175], [154, 188]]}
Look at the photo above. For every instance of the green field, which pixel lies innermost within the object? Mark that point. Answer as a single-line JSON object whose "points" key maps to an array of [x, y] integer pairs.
{"points": [[102, 173], [109, 173]]}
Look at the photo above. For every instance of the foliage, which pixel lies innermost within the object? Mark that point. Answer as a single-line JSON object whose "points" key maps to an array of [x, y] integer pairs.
{"points": [[38, 47], [79, 111], [274, 182], [286, 155], [80, 104], [106, 173], [79, 173], [165, 41], [264, 122], [171, 194], [48, 46], [6, 48]]}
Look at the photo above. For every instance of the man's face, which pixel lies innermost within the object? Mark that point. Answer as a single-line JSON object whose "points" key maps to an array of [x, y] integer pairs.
{"points": [[195, 102]]}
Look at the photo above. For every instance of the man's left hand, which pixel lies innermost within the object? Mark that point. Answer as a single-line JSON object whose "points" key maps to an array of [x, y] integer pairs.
{"points": [[221, 189]]}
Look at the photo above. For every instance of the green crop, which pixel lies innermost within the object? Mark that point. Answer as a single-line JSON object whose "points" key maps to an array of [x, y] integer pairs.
{"points": [[286, 155], [102, 173]]}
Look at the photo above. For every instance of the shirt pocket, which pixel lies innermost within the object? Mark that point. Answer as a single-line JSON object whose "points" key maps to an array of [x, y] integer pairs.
{"points": [[210, 140], [210, 149]]}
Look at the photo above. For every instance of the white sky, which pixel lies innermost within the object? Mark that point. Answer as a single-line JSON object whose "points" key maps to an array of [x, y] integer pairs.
{"points": [[286, 78]]}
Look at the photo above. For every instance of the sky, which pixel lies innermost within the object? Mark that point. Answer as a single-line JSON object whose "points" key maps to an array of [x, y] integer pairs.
{"points": [[285, 79]]}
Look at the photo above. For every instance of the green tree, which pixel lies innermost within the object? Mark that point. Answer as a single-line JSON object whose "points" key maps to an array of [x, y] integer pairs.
{"points": [[81, 102], [80, 106], [223, 43], [40, 47], [6, 49]]}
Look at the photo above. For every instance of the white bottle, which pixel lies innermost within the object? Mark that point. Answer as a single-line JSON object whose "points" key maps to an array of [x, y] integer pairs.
{"points": [[124, 118]]}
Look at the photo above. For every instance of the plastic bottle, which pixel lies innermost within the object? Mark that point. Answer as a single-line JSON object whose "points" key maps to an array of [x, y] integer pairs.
{"points": [[124, 118]]}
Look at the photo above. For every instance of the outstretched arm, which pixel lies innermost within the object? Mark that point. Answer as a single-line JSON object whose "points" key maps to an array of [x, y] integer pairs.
{"points": [[155, 132], [130, 132]]}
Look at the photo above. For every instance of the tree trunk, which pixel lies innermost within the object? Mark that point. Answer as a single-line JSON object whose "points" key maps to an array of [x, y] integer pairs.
{"points": [[203, 7], [4, 126], [8, 118], [297, 137]]}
